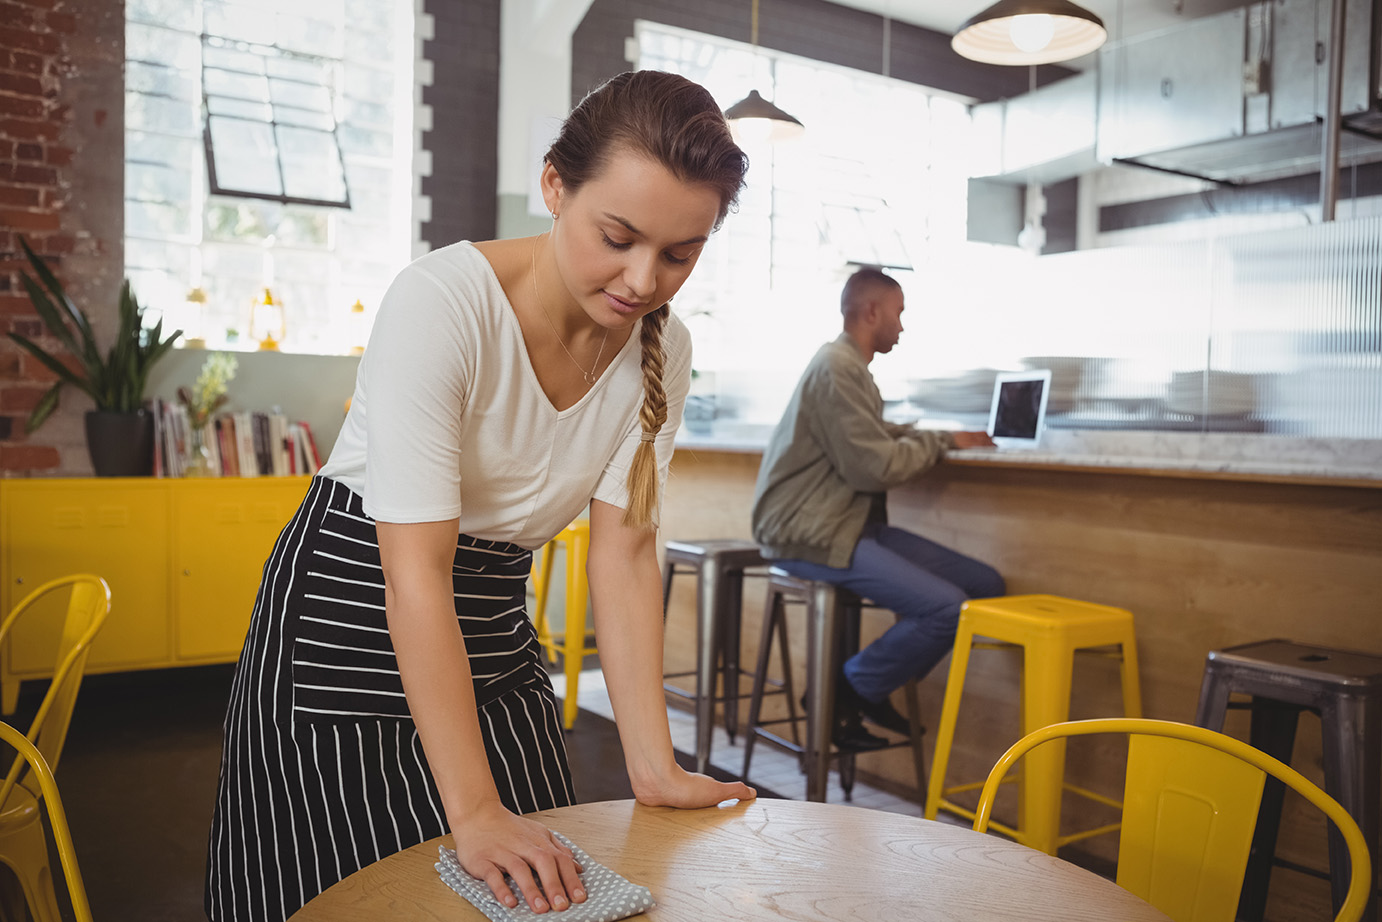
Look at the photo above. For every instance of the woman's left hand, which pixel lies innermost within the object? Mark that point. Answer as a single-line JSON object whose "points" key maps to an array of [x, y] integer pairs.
{"points": [[680, 788]]}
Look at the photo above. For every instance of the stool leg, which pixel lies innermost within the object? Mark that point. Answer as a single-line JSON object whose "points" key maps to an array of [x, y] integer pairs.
{"points": [[732, 585], [1274, 732], [670, 572], [708, 639], [573, 647], [821, 636], [1213, 703], [785, 652], [542, 586], [1045, 701], [1132, 680], [772, 617], [1352, 728], [950, 710], [847, 774]]}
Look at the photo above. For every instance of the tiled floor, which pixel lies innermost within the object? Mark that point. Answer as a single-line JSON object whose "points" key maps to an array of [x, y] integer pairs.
{"points": [[772, 768]]}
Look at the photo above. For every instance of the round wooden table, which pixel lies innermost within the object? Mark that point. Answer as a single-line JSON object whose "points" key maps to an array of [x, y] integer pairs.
{"points": [[771, 860]]}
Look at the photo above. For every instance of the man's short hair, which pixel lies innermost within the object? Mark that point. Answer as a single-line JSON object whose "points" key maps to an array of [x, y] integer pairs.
{"points": [[862, 283]]}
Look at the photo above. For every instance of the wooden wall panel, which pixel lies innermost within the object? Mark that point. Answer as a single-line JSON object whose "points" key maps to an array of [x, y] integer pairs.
{"points": [[1201, 563]]}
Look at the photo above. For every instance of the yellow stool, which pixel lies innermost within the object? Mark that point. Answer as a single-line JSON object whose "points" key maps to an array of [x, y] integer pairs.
{"points": [[1049, 629], [572, 641]]}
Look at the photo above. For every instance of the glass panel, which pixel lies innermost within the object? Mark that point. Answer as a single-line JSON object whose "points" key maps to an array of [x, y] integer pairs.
{"points": [[236, 85], [246, 157], [164, 81], [240, 108], [311, 165], [172, 14], [178, 153], [240, 21], [233, 59], [156, 113], [161, 46], [319, 33]]}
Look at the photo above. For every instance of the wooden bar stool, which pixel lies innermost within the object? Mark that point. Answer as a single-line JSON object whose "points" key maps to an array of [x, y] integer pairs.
{"points": [[572, 641], [719, 565], [832, 619], [1049, 629], [1342, 687]]}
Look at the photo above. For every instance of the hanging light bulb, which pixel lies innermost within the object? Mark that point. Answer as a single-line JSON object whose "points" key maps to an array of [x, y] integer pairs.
{"points": [[1025, 32], [754, 118]]}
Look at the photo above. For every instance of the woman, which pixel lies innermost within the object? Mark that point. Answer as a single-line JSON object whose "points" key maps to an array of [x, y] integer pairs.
{"points": [[391, 687]]}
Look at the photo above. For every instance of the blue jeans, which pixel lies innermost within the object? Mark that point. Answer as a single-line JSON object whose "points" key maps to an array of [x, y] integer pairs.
{"points": [[921, 581]]}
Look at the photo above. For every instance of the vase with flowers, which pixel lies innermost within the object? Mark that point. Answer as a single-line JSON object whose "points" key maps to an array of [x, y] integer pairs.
{"points": [[202, 400]]}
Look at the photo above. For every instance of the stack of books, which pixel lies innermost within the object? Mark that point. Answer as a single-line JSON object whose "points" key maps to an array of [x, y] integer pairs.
{"points": [[242, 443]]}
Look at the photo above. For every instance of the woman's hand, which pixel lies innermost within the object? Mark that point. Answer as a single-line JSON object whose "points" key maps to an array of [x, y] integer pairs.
{"points": [[677, 787], [493, 842]]}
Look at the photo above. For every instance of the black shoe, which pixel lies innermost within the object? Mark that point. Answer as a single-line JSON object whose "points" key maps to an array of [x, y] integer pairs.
{"points": [[880, 712], [850, 736]]}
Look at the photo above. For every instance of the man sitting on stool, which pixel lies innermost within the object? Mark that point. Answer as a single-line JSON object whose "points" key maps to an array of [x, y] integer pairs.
{"points": [[819, 511]]}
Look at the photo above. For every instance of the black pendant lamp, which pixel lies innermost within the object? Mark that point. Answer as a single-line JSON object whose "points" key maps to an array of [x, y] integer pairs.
{"points": [[754, 117], [1026, 32]]}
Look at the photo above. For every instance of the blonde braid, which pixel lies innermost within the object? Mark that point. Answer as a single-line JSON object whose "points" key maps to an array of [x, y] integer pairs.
{"points": [[643, 499]]}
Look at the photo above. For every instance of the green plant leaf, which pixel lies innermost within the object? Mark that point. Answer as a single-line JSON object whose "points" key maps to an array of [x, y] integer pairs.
{"points": [[50, 281], [44, 408], [65, 374]]}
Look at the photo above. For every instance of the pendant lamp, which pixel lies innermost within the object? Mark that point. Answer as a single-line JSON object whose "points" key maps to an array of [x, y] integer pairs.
{"points": [[1025, 32], [755, 118]]}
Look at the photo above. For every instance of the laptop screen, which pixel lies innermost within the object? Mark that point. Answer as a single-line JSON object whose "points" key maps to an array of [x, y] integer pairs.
{"points": [[1018, 411]]}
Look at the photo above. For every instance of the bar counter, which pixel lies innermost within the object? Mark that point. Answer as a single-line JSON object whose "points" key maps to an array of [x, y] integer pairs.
{"points": [[1205, 551]]}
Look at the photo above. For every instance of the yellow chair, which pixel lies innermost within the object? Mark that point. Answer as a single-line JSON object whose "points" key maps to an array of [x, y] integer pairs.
{"points": [[22, 843], [1189, 809], [57, 818], [1050, 630], [571, 642]]}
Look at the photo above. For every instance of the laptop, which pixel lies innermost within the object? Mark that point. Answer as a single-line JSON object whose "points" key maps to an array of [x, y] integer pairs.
{"points": [[1017, 414]]}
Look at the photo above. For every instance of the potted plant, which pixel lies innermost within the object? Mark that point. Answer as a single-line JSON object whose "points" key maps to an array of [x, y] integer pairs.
{"points": [[119, 432]]}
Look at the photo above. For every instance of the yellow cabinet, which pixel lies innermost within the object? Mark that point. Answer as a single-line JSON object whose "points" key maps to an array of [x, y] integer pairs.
{"points": [[183, 559]]}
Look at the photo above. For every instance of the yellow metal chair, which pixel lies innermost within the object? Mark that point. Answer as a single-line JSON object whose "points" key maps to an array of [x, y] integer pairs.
{"points": [[571, 642], [1189, 809], [42, 775], [22, 843]]}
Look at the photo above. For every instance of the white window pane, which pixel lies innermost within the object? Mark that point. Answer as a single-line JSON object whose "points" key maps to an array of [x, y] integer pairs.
{"points": [[319, 33], [236, 85], [239, 22], [311, 165], [245, 155], [162, 46], [240, 108], [154, 113]]}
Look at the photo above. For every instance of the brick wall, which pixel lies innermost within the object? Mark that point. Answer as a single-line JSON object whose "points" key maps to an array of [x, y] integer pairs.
{"points": [[61, 144]]}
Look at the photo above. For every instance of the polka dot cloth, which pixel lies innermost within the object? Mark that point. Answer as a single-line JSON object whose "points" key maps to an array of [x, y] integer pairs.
{"points": [[608, 895]]}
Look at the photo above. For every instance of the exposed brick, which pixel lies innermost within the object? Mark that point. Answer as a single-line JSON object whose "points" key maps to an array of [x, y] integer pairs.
{"points": [[41, 42], [59, 155], [23, 106], [7, 426], [30, 328], [27, 63], [6, 148], [11, 363], [20, 17], [20, 399], [27, 130], [19, 83], [39, 175], [30, 220], [25, 457], [19, 195], [66, 23], [13, 304], [28, 151], [39, 4]]}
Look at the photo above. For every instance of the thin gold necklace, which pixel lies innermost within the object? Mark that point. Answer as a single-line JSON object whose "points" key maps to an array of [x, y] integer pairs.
{"points": [[594, 369]]}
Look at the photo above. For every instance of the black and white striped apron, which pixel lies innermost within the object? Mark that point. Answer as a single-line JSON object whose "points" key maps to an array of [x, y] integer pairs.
{"points": [[322, 771]]}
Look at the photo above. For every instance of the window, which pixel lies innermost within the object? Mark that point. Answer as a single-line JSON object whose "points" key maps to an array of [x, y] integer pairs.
{"points": [[878, 178], [268, 145]]}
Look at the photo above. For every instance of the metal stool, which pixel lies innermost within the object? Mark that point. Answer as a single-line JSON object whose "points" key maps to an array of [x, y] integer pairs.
{"points": [[1049, 629], [719, 565], [1284, 678], [832, 619]]}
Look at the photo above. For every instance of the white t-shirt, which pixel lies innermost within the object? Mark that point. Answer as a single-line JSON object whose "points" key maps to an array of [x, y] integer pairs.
{"points": [[448, 418]]}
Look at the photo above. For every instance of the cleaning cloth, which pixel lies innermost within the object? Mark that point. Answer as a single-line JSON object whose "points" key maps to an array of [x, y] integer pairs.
{"points": [[609, 896]]}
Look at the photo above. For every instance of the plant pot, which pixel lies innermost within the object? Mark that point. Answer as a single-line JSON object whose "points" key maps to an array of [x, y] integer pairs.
{"points": [[121, 444]]}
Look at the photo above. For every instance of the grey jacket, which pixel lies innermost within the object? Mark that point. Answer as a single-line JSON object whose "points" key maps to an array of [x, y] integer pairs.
{"points": [[830, 461]]}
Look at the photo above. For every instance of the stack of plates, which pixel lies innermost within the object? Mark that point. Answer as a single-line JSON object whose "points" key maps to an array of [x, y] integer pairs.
{"points": [[1212, 393], [1068, 373], [968, 392]]}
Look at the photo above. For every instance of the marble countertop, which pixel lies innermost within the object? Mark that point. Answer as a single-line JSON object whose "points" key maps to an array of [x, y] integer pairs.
{"points": [[1239, 455]]}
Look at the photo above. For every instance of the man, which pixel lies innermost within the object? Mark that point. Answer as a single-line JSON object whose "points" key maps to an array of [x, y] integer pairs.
{"points": [[819, 511]]}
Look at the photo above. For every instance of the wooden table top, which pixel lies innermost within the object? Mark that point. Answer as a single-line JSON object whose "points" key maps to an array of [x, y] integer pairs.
{"points": [[771, 860]]}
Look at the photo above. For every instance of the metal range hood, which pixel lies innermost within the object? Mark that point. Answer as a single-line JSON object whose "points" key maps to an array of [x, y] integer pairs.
{"points": [[1235, 98]]}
